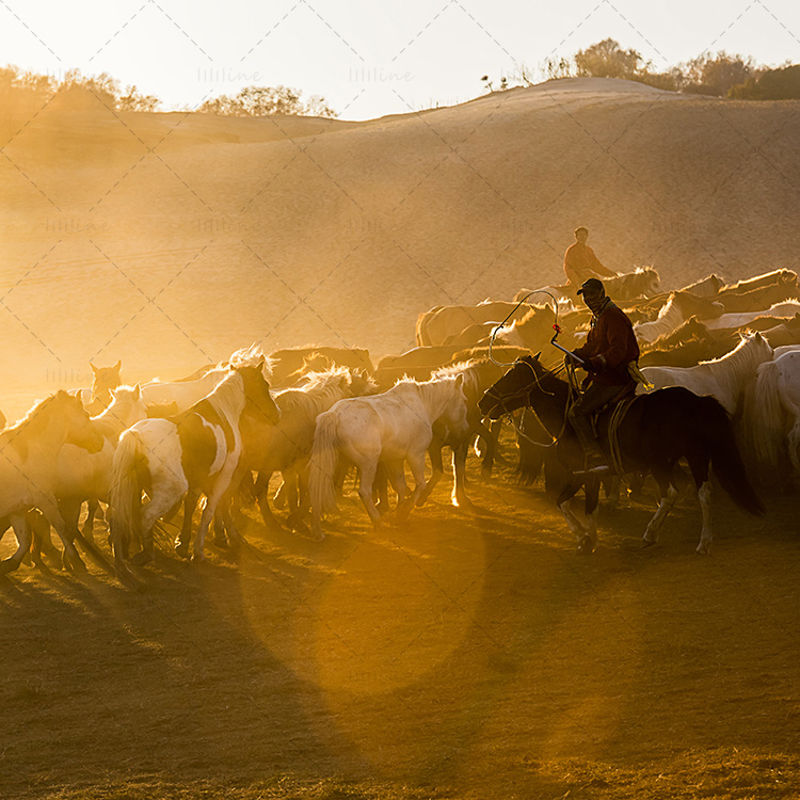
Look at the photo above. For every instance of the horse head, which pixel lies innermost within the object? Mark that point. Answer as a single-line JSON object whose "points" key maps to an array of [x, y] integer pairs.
{"points": [[127, 405], [512, 391], [78, 428], [105, 380], [257, 393]]}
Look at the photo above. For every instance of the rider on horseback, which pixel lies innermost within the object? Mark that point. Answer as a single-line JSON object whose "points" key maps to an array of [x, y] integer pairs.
{"points": [[610, 348]]}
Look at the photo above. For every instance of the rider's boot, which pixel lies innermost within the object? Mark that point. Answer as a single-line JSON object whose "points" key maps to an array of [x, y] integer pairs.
{"points": [[595, 460]]}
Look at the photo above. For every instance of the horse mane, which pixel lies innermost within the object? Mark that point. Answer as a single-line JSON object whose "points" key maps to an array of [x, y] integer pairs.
{"points": [[250, 356], [740, 357], [478, 374], [782, 274]]}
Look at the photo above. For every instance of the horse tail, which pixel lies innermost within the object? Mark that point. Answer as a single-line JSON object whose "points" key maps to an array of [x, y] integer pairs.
{"points": [[714, 428], [763, 416], [322, 465], [126, 498]]}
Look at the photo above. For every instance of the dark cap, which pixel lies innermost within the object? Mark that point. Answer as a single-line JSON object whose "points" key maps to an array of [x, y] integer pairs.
{"points": [[592, 286]]}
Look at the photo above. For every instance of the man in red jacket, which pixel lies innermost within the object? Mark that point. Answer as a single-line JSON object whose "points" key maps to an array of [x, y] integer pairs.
{"points": [[580, 262], [610, 346]]}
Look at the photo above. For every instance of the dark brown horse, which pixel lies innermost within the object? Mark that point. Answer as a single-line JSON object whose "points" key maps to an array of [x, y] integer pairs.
{"points": [[656, 432]]}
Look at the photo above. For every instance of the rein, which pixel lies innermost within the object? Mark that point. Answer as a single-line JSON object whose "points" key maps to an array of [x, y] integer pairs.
{"points": [[526, 390]]}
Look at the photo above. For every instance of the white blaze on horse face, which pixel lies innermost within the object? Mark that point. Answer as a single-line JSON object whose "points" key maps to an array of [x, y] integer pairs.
{"points": [[222, 447]]}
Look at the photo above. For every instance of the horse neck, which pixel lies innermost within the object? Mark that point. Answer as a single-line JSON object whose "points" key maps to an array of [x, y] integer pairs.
{"points": [[116, 418], [228, 398], [738, 365], [668, 319], [45, 432], [550, 402], [436, 395]]}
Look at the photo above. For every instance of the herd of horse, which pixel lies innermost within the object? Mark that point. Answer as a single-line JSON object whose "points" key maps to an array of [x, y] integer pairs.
{"points": [[722, 361]]}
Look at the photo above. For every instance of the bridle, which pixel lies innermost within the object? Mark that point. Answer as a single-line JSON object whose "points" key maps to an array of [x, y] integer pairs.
{"points": [[500, 402]]}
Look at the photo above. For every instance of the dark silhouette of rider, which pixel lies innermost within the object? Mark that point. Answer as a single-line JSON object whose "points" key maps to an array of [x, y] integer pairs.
{"points": [[610, 348]]}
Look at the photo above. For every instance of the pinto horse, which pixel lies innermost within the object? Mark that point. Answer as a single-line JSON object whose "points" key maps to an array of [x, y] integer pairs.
{"points": [[657, 430], [198, 451]]}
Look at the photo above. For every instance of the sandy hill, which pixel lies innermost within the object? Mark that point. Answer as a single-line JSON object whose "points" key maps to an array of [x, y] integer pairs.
{"points": [[169, 239]]}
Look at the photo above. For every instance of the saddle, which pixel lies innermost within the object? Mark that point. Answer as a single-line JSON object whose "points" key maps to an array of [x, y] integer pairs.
{"points": [[624, 393]]}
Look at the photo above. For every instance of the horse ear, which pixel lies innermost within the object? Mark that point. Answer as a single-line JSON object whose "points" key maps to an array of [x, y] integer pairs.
{"points": [[118, 365], [94, 368], [536, 357], [459, 380], [137, 391]]}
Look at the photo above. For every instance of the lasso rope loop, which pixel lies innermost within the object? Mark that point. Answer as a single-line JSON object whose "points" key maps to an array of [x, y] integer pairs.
{"points": [[513, 311]]}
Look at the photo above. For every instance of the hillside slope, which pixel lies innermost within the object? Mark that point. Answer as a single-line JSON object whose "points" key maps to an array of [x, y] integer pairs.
{"points": [[169, 239]]}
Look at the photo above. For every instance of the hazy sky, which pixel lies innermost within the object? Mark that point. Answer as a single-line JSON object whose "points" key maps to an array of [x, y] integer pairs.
{"points": [[369, 58]]}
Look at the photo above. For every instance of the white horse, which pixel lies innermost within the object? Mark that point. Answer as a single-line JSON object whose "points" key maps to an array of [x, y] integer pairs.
{"points": [[724, 378], [81, 475], [739, 319], [772, 414], [195, 452], [28, 474], [286, 446], [389, 428], [478, 377]]}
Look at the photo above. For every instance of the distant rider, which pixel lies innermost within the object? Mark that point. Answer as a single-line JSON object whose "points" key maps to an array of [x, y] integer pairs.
{"points": [[610, 347], [580, 262]]}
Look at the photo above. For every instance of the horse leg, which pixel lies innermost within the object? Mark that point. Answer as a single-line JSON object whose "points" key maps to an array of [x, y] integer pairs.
{"points": [[417, 463], [70, 510], [699, 466], [92, 506], [224, 517], [793, 440], [301, 471], [185, 536], [213, 499], [380, 488], [668, 493], [271, 522], [437, 472], [365, 488], [42, 541], [564, 503], [588, 542], [458, 496], [279, 498], [492, 449], [49, 506], [23, 534], [611, 486]]}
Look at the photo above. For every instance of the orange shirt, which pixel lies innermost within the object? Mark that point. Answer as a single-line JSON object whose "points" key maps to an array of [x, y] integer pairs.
{"points": [[580, 264]]}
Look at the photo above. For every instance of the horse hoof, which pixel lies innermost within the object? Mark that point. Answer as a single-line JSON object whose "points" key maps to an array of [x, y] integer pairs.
{"points": [[703, 549], [648, 543], [142, 558], [72, 562], [586, 545], [182, 550], [198, 558]]}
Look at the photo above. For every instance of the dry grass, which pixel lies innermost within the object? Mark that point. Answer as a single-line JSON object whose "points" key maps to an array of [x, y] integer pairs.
{"points": [[459, 656]]}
